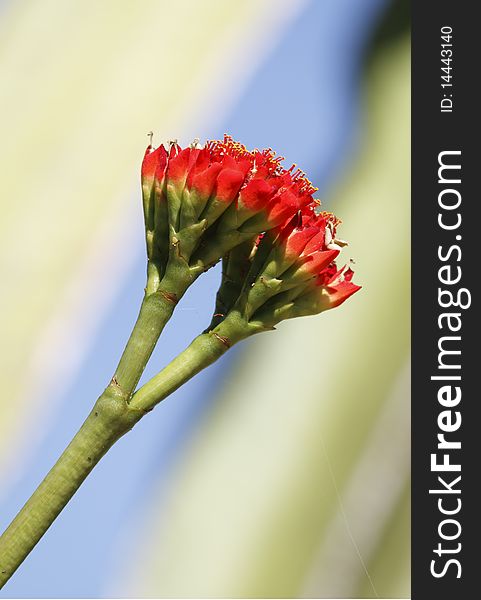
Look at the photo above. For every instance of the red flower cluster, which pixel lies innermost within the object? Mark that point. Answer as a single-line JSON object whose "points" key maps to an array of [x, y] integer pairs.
{"points": [[212, 199], [224, 175]]}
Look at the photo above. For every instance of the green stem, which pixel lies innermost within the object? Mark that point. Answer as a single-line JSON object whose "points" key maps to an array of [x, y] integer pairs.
{"points": [[110, 418], [157, 307], [202, 352], [235, 266]]}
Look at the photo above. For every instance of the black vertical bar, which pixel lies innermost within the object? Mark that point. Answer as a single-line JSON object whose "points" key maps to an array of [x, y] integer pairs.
{"points": [[438, 126]]}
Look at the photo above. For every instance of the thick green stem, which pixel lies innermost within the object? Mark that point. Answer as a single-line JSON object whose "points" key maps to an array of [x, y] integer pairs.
{"points": [[110, 418]]}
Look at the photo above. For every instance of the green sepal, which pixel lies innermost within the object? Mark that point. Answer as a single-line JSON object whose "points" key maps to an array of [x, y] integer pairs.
{"points": [[188, 239], [255, 222], [214, 209], [262, 290], [174, 203], [188, 213], [299, 301], [215, 246], [148, 196]]}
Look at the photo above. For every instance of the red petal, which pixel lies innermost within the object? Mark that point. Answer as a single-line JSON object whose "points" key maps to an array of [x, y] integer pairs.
{"points": [[341, 292], [179, 165], [319, 261], [229, 183], [154, 162], [316, 243], [298, 239], [204, 181], [284, 206], [256, 194]]}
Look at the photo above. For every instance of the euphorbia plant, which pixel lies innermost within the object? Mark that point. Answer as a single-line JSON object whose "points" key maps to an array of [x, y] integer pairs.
{"points": [[278, 254]]}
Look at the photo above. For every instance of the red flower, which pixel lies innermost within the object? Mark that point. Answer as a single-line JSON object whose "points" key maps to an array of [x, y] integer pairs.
{"points": [[209, 200]]}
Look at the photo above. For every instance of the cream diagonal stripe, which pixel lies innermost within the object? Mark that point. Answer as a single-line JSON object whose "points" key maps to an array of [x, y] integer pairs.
{"points": [[82, 83], [366, 504]]}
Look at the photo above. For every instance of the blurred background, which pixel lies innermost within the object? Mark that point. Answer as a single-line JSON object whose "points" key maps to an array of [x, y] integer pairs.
{"points": [[283, 470]]}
